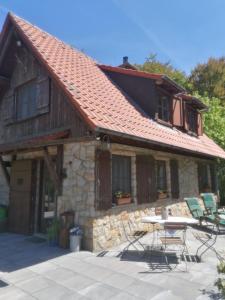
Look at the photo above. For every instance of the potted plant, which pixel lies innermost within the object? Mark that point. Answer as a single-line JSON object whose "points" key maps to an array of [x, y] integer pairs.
{"points": [[122, 198], [53, 232], [162, 194]]}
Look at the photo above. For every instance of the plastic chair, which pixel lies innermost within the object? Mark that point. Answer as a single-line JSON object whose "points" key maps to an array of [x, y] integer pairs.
{"points": [[210, 203]]}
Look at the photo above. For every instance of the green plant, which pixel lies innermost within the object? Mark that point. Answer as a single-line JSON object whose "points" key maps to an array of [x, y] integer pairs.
{"points": [[53, 230], [220, 283], [120, 194]]}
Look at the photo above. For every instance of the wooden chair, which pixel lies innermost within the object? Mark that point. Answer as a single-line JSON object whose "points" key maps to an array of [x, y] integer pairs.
{"points": [[174, 235], [132, 235]]}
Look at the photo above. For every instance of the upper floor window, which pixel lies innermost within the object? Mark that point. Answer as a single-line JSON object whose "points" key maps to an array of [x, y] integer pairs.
{"points": [[32, 98], [25, 97], [164, 109], [192, 120]]}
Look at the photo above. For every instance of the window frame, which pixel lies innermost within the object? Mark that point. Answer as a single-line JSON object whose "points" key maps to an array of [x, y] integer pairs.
{"points": [[129, 178], [192, 128], [164, 189], [209, 182], [17, 88], [163, 93]]}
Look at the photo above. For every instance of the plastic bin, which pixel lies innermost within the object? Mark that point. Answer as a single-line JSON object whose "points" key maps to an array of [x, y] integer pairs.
{"points": [[3, 212], [75, 239]]}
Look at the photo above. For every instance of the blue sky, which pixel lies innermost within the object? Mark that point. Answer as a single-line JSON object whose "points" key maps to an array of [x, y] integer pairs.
{"points": [[185, 32]]}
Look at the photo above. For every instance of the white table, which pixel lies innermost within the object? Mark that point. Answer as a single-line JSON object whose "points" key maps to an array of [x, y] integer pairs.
{"points": [[171, 219]]}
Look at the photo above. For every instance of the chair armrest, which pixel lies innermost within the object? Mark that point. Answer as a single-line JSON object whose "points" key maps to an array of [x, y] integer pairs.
{"points": [[208, 211]]}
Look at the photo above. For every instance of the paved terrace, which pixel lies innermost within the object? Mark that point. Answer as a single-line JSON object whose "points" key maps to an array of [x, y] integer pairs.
{"points": [[30, 270]]}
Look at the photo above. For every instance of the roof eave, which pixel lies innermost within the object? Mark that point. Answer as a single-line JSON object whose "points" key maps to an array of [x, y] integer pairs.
{"points": [[155, 143]]}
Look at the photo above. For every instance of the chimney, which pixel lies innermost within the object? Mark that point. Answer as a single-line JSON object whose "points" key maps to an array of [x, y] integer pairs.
{"points": [[125, 60]]}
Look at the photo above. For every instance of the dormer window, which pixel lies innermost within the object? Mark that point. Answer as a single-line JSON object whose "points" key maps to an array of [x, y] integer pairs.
{"points": [[164, 107], [192, 120]]}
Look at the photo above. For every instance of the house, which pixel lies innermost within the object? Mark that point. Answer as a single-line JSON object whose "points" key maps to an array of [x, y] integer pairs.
{"points": [[74, 133]]}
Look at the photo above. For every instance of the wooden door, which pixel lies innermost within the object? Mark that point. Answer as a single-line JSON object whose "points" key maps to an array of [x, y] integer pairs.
{"points": [[20, 197]]}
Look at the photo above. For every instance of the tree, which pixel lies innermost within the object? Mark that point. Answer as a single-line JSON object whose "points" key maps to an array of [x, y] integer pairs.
{"points": [[153, 65], [214, 127], [209, 78]]}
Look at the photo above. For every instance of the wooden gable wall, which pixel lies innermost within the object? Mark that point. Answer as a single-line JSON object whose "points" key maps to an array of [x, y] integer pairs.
{"points": [[60, 115]]}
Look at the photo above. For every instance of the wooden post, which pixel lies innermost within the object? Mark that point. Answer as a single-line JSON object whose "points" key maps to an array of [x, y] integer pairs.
{"points": [[5, 171], [52, 170]]}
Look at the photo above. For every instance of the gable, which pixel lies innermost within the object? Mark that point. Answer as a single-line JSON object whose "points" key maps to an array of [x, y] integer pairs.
{"points": [[46, 110]]}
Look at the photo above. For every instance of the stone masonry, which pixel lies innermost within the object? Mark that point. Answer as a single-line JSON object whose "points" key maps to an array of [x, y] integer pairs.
{"points": [[104, 229]]}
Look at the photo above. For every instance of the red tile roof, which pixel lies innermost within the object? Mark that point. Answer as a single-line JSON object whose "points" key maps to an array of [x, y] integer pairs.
{"points": [[103, 105]]}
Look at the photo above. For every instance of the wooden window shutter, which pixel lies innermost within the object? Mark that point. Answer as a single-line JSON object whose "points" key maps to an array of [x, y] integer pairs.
{"points": [[200, 177], [177, 112], [213, 176], [185, 113], [43, 95], [146, 179], [103, 180], [174, 176], [200, 124]]}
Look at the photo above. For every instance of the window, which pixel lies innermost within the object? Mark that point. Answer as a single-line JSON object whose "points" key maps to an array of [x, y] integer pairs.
{"points": [[206, 177], [121, 176], [161, 176], [25, 97], [192, 120], [32, 98], [164, 112]]}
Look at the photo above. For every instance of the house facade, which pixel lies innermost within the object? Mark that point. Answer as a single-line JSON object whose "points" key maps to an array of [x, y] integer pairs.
{"points": [[108, 143]]}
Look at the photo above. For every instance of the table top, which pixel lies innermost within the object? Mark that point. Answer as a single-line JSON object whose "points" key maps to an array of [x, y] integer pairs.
{"points": [[171, 219]]}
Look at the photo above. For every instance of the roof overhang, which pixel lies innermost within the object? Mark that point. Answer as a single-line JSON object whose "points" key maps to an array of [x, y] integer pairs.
{"points": [[160, 78]]}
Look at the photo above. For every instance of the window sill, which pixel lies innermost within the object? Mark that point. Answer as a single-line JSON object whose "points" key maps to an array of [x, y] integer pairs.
{"points": [[162, 122], [18, 121]]}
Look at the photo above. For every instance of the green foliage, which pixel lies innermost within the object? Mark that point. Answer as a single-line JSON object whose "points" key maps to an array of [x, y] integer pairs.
{"points": [[153, 65], [220, 283], [210, 78], [214, 120]]}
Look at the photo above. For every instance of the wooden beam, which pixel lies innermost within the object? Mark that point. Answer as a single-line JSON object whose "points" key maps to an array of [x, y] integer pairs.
{"points": [[22, 145], [51, 169], [59, 166], [6, 45], [5, 171]]}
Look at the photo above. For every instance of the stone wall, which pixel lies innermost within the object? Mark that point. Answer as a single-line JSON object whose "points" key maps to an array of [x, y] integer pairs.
{"points": [[79, 186], [104, 229], [108, 226]]}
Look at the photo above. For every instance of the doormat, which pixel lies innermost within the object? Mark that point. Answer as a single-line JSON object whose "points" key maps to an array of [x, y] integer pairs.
{"points": [[35, 239]]}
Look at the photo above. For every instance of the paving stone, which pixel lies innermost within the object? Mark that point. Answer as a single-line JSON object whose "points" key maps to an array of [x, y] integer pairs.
{"points": [[143, 289], [34, 284], [78, 282], [59, 275], [119, 281], [19, 275], [126, 296], [99, 291], [55, 292], [43, 267]]}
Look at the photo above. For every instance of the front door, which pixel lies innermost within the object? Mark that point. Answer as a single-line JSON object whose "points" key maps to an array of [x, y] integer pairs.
{"points": [[20, 208]]}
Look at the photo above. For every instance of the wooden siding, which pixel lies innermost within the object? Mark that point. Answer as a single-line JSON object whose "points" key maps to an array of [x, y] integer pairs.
{"points": [[61, 114], [146, 179], [141, 90]]}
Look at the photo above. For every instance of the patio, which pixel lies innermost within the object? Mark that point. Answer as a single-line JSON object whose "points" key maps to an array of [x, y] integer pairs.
{"points": [[32, 270]]}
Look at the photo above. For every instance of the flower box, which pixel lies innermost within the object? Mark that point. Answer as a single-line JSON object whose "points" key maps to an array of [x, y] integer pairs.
{"points": [[162, 195], [123, 200]]}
